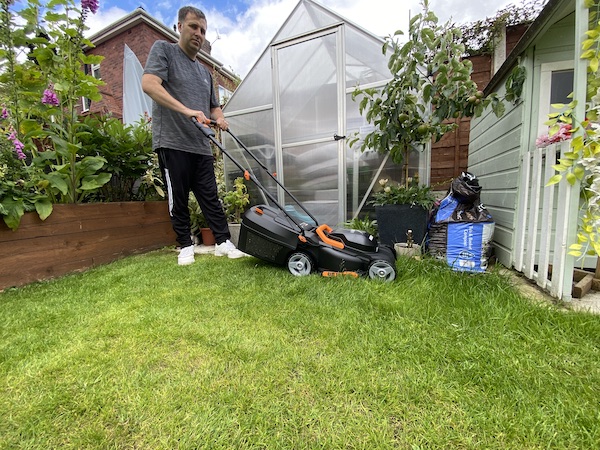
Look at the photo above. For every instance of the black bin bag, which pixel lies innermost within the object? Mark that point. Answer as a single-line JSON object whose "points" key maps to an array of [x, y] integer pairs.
{"points": [[461, 228]]}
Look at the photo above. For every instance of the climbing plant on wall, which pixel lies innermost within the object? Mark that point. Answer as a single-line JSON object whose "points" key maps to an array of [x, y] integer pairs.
{"points": [[480, 36]]}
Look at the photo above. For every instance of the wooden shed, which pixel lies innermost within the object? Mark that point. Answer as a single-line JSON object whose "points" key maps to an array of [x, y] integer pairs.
{"points": [[535, 224]]}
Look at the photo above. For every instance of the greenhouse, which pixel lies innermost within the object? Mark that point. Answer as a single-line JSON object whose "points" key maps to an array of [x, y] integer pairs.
{"points": [[294, 112]]}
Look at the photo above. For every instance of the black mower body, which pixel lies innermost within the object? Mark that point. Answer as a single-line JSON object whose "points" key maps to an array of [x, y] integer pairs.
{"points": [[283, 236], [268, 233]]}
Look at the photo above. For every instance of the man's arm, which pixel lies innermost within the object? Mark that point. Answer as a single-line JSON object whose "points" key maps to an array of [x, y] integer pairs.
{"points": [[152, 85], [217, 115]]}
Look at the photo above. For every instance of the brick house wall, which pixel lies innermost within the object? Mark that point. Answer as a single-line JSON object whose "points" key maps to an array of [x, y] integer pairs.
{"points": [[138, 31]]}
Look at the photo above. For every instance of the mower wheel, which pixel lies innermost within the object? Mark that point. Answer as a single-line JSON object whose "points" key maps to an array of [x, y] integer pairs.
{"points": [[299, 264], [382, 270]]}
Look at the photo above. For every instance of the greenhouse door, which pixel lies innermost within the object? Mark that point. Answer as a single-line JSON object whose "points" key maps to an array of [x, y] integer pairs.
{"points": [[309, 114]]}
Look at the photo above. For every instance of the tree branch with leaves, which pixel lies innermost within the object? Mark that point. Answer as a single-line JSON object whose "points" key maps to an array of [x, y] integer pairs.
{"points": [[430, 89]]}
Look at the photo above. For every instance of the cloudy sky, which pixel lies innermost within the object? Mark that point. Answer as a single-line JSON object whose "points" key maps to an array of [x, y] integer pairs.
{"points": [[240, 30]]}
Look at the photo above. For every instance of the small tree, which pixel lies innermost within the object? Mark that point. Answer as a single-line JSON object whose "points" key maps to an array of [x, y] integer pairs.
{"points": [[430, 88], [236, 200]]}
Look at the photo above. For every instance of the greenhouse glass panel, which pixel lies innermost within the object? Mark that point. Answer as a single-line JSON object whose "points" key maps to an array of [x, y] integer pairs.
{"points": [[365, 169], [255, 131], [288, 110], [361, 167], [261, 93], [307, 17], [311, 175], [364, 60], [308, 97]]}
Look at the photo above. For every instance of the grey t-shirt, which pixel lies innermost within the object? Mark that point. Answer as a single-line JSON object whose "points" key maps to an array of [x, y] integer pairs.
{"points": [[189, 82]]}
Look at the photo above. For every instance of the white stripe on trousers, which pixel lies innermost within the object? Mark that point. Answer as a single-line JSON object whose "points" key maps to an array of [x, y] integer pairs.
{"points": [[169, 192]]}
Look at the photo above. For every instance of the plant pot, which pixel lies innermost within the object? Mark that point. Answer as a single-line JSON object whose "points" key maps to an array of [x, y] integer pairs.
{"points": [[402, 249], [234, 230], [208, 238], [394, 221]]}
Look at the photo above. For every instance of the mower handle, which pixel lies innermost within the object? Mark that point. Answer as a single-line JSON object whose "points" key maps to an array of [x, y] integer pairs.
{"points": [[210, 134], [273, 175], [208, 131]]}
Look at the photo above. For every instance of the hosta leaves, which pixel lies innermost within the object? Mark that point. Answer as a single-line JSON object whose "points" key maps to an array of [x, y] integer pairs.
{"points": [[43, 207], [93, 182], [13, 211]]}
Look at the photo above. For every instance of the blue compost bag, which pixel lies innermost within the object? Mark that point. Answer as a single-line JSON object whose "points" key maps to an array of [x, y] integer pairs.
{"points": [[461, 228]]}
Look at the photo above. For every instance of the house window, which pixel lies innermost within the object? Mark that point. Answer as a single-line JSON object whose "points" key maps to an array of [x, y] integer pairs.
{"points": [[93, 70], [556, 85], [224, 95]]}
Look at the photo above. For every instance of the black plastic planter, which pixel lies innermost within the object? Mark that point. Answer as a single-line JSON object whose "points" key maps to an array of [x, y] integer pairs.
{"points": [[394, 221]]}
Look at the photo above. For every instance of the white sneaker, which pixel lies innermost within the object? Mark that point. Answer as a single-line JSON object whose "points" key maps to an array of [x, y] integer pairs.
{"points": [[186, 256], [227, 248]]}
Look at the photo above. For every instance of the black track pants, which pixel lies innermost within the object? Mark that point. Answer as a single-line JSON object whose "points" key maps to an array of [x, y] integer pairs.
{"points": [[183, 172]]}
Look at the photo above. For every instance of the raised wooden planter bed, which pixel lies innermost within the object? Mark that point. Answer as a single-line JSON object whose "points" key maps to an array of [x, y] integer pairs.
{"points": [[77, 237]]}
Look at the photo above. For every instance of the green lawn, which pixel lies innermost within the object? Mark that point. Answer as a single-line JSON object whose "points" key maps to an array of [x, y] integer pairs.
{"points": [[239, 354]]}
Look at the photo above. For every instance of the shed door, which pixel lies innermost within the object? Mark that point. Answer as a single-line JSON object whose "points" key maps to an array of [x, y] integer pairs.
{"points": [[308, 111]]}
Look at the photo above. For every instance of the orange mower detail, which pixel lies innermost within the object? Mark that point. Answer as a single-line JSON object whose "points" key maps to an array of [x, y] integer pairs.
{"points": [[346, 273], [321, 230]]}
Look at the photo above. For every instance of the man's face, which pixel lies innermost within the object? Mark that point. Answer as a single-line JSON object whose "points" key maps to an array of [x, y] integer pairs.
{"points": [[192, 33]]}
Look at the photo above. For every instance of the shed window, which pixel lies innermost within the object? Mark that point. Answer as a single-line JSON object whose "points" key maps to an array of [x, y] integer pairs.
{"points": [[556, 85], [561, 86]]}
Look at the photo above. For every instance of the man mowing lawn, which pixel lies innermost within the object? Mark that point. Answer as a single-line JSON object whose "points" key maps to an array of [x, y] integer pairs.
{"points": [[181, 89]]}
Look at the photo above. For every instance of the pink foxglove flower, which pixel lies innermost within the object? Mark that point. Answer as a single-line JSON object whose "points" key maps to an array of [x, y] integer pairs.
{"points": [[19, 146], [19, 149], [563, 134], [4, 113], [50, 98], [92, 5]]}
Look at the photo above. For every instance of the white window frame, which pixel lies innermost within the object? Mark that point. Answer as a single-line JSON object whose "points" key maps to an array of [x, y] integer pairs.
{"points": [[224, 94], [545, 107], [86, 102]]}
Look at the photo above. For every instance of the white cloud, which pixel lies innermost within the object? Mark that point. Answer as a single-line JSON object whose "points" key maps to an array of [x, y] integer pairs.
{"points": [[243, 38], [103, 18], [240, 37]]}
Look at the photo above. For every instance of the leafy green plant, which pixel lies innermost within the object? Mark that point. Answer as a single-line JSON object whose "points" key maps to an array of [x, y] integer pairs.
{"points": [[410, 193], [197, 219], [151, 183], [363, 224], [41, 94], [430, 88], [236, 200], [20, 188], [127, 149]]}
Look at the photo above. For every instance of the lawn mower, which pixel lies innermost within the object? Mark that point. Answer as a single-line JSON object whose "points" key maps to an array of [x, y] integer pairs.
{"points": [[287, 237]]}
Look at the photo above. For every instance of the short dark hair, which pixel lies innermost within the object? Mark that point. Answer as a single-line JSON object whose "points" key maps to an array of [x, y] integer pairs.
{"points": [[183, 12]]}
